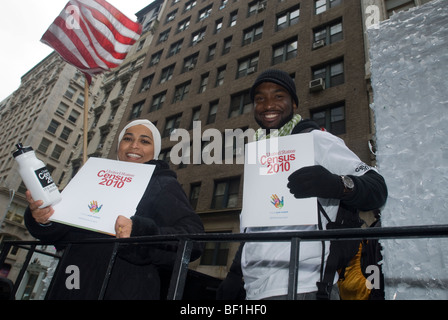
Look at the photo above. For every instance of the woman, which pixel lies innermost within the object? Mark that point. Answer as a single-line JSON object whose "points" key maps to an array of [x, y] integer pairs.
{"points": [[163, 209]]}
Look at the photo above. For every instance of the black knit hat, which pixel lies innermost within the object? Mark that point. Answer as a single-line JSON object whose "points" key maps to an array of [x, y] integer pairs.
{"points": [[278, 77]]}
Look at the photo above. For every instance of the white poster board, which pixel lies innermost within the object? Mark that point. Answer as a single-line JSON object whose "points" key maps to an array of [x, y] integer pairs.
{"points": [[102, 190], [267, 200]]}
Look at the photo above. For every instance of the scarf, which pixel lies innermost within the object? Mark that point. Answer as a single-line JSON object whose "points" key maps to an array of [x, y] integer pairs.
{"points": [[286, 130]]}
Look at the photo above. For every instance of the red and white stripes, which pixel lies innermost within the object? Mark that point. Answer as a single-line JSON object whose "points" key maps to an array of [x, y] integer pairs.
{"points": [[92, 35]]}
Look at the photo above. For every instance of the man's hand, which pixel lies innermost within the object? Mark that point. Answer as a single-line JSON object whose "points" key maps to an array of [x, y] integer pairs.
{"points": [[315, 181]]}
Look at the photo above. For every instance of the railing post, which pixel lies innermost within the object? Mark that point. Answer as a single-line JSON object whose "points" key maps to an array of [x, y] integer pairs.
{"points": [[293, 268], [109, 271], [179, 275], [57, 272], [5, 248]]}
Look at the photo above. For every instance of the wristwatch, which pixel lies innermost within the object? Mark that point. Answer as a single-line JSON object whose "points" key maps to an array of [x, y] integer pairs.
{"points": [[348, 183]]}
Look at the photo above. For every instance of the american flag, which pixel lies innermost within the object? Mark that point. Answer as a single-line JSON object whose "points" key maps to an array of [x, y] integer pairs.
{"points": [[92, 35]]}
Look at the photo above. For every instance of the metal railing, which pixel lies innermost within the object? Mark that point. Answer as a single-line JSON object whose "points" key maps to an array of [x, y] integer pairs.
{"points": [[185, 245]]}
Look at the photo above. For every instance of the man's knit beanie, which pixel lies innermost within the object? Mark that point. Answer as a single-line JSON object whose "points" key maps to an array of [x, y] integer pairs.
{"points": [[278, 77]]}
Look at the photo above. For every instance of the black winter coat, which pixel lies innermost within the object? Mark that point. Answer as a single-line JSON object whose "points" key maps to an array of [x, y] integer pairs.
{"points": [[164, 209]]}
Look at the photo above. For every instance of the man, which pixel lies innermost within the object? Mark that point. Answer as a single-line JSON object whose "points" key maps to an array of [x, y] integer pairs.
{"points": [[338, 177]]}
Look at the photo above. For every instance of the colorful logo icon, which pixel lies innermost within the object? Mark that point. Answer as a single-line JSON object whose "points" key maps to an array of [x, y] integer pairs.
{"points": [[275, 200], [94, 208]]}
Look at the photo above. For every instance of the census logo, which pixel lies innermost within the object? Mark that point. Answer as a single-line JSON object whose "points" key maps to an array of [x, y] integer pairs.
{"points": [[93, 207], [275, 200]]}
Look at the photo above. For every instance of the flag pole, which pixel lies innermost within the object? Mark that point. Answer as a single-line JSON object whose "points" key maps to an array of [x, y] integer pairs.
{"points": [[86, 119]]}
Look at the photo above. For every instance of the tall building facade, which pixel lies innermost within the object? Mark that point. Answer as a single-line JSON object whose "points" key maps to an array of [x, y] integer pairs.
{"points": [[46, 113], [198, 71]]}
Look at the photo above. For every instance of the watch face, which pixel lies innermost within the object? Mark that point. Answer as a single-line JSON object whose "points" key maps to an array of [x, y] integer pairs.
{"points": [[348, 182]]}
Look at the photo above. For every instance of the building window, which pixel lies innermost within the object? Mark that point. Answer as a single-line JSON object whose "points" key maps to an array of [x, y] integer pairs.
{"points": [[80, 100], [183, 25], [190, 5], [213, 109], [256, 7], [198, 36], [215, 254], [218, 26], [181, 91], [223, 4], [62, 109], [190, 62], [239, 104], [252, 34], [331, 118], [205, 13], [167, 74], [211, 52], [171, 16], [227, 45], [204, 82], [225, 194], [65, 134], [288, 18], [175, 48], [332, 74], [136, 110], [70, 93], [165, 155], [195, 116], [172, 123], [394, 6], [140, 45], [164, 36], [57, 152], [155, 58], [43, 146], [157, 101], [73, 117], [233, 18], [194, 194], [327, 34], [247, 66], [220, 76], [284, 51], [54, 125], [324, 5], [146, 83]]}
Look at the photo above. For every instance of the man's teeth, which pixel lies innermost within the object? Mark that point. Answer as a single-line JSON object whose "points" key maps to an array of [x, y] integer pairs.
{"points": [[270, 116]]}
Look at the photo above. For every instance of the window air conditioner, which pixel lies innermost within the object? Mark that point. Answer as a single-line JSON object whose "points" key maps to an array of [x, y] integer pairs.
{"points": [[317, 85], [318, 44]]}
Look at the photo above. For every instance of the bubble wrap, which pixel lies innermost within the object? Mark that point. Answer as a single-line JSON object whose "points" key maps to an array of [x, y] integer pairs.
{"points": [[409, 68]]}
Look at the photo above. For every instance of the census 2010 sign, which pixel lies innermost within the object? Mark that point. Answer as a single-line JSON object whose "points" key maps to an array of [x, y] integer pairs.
{"points": [[114, 179], [268, 163]]}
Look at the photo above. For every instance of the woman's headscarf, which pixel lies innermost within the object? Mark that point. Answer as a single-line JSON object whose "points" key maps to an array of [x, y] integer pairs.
{"points": [[151, 127]]}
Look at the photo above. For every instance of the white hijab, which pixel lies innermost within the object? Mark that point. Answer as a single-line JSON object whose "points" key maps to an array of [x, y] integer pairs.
{"points": [[151, 127]]}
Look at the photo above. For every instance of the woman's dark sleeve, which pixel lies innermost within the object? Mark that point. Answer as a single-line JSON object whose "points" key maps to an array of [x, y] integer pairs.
{"points": [[166, 211], [50, 232]]}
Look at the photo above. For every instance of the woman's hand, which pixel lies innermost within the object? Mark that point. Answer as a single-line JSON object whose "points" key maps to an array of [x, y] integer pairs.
{"points": [[123, 227], [41, 216]]}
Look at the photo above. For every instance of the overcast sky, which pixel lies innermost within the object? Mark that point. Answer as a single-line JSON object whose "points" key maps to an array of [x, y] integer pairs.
{"points": [[22, 24]]}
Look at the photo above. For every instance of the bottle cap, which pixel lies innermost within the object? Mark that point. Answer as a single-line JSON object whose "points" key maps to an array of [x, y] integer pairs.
{"points": [[21, 150]]}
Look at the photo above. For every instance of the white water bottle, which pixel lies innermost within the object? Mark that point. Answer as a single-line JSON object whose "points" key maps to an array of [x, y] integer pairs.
{"points": [[36, 176]]}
